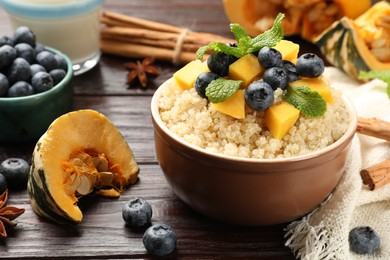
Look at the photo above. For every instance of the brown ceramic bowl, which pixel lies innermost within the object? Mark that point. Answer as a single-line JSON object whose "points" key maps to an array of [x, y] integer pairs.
{"points": [[250, 192]]}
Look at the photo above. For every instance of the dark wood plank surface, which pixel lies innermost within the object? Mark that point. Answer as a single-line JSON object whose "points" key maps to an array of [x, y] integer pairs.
{"points": [[103, 234]]}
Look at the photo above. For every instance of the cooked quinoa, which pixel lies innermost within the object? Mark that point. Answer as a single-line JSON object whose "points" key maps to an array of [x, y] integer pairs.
{"points": [[192, 118]]}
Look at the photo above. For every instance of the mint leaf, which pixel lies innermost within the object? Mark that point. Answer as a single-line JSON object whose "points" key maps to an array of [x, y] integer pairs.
{"points": [[221, 89], [218, 46], [246, 44], [270, 37], [377, 74], [307, 100]]}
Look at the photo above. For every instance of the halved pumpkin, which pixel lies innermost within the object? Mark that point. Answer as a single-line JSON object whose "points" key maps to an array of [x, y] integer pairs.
{"points": [[305, 18], [345, 43], [81, 153]]}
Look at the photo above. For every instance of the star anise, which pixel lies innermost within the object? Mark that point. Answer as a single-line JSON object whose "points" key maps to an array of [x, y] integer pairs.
{"points": [[140, 70], [7, 214]]}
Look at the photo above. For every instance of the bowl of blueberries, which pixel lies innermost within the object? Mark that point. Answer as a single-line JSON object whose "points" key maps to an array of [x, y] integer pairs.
{"points": [[35, 86]]}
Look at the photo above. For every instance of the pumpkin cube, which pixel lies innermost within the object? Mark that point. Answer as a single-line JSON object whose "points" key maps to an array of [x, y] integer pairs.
{"points": [[246, 68], [186, 76], [318, 84], [279, 118], [288, 49], [233, 106]]}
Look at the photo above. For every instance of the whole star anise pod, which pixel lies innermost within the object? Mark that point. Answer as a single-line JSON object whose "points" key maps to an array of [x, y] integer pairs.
{"points": [[7, 214], [141, 70]]}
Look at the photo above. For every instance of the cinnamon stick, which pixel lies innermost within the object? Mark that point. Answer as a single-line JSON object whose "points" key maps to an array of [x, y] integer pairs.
{"points": [[377, 175], [374, 127]]}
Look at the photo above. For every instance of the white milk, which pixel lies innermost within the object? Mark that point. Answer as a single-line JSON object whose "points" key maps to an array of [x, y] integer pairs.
{"points": [[71, 26]]}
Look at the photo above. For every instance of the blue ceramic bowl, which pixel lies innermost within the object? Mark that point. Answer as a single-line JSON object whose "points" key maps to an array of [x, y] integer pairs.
{"points": [[27, 118]]}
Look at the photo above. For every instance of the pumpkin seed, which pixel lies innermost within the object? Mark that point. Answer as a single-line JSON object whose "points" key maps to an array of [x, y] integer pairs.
{"points": [[85, 186], [100, 162], [105, 178]]}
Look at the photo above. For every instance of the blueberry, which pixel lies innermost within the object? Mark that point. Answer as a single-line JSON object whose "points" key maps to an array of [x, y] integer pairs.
{"points": [[61, 62], [202, 81], [47, 60], [19, 70], [25, 35], [7, 55], [259, 95], [34, 68], [310, 65], [20, 89], [3, 184], [4, 85], [292, 74], [41, 82], [39, 47], [25, 51], [137, 212], [269, 57], [276, 77], [5, 40], [159, 240], [57, 75], [15, 171], [219, 63], [363, 240]]}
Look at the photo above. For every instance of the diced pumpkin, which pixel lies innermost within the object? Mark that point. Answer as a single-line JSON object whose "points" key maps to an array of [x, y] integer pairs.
{"points": [[234, 106], [318, 84], [288, 49], [186, 76], [305, 18], [280, 117], [246, 68], [346, 43], [82, 152]]}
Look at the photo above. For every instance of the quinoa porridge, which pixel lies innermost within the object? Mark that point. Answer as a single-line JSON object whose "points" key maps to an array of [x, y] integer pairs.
{"points": [[192, 118]]}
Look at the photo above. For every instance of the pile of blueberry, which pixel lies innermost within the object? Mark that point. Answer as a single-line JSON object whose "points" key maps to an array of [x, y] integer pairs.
{"points": [[13, 174], [278, 73], [27, 67], [158, 239]]}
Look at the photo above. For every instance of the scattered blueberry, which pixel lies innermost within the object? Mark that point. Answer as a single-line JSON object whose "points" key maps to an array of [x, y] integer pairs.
{"points": [[363, 240], [4, 85], [25, 51], [25, 35], [202, 81], [20, 89], [61, 62], [57, 75], [7, 55], [5, 40], [47, 60], [292, 74], [137, 212], [310, 65], [276, 77], [219, 63], [34, 68], [19, 70], [269, 57], [3, 184], [159, 240], [15, 171], [41, 82], [259, 95]]}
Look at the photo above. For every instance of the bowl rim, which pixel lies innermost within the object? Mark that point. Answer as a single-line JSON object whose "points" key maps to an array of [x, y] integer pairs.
{"points": [[349, 133], [62, 83]]}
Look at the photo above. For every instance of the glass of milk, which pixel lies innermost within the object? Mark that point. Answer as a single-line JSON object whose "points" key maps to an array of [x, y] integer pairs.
{"points": [[71, 26]]}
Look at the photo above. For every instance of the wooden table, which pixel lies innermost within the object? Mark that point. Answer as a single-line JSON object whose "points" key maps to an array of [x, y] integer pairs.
{"points": [[103, 233]]}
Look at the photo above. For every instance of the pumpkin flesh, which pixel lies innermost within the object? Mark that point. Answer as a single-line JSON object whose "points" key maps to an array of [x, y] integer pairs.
{"points": [[84, 134]]}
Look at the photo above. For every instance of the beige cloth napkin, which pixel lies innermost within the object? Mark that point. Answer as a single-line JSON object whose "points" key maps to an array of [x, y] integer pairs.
{"points": [[323, 234]]}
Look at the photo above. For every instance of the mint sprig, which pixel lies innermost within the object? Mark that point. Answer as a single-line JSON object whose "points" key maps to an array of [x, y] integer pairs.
{"points": [[221, 89], [307, 100], [246, 44], [377, 74]]}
